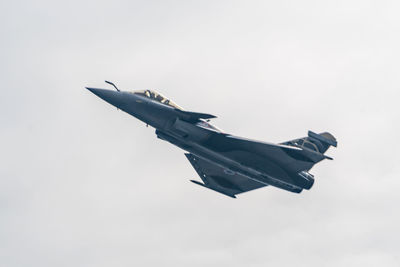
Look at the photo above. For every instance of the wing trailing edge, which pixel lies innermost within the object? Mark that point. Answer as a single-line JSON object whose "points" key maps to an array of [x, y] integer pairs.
{"points": [[219, 179], [214, 189]]}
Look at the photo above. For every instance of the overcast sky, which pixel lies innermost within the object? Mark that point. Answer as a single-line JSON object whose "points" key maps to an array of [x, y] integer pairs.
{"points": [[83, 184]]}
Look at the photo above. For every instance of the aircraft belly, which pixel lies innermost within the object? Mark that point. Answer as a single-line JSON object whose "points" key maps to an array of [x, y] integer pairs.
{"points": [[252, 166], [274, 176], [258, 163]]}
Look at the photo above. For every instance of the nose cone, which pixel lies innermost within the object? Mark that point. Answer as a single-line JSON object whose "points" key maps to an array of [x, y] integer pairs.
{"points": [[113, 97]]}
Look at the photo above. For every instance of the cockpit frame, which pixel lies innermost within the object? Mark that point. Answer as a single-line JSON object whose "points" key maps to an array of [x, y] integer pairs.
{"points": [[157, 97]]}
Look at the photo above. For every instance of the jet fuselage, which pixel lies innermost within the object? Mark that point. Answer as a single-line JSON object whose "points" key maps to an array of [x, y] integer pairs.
{"points": [[191, 137]]}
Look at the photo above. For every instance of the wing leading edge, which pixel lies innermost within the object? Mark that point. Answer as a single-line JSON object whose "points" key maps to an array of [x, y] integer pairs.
{"points": [[219, 179]]}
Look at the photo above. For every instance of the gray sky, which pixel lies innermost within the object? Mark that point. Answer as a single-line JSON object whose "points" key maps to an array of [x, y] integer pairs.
{"points": [[82, 184]]}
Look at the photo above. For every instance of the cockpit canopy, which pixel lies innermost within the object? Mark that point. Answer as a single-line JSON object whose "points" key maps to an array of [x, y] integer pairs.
{"points": [[157, 97]]}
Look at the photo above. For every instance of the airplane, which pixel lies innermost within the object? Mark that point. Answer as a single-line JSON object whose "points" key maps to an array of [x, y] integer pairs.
{"points": [[227, 164]]}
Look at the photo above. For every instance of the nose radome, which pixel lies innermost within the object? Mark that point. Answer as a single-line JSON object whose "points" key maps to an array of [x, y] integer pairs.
{"points": [[112, 97], [100, 92]]}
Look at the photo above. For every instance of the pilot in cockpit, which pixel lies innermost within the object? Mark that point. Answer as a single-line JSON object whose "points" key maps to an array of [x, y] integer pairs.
{"points": [[157, 97]]}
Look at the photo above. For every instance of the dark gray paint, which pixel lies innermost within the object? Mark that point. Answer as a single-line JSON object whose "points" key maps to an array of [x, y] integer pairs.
{"points": [[227, 164]]}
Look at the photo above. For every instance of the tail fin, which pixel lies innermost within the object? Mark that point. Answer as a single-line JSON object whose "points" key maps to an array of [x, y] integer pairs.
{"points": [[316, 142]]}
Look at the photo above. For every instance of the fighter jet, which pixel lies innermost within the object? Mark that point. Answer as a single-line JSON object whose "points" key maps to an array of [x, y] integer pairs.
{"points": [[227, 164]]}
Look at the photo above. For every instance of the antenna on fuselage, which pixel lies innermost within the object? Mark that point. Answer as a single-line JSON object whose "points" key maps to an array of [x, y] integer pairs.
{"points": [[113, 85]]}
